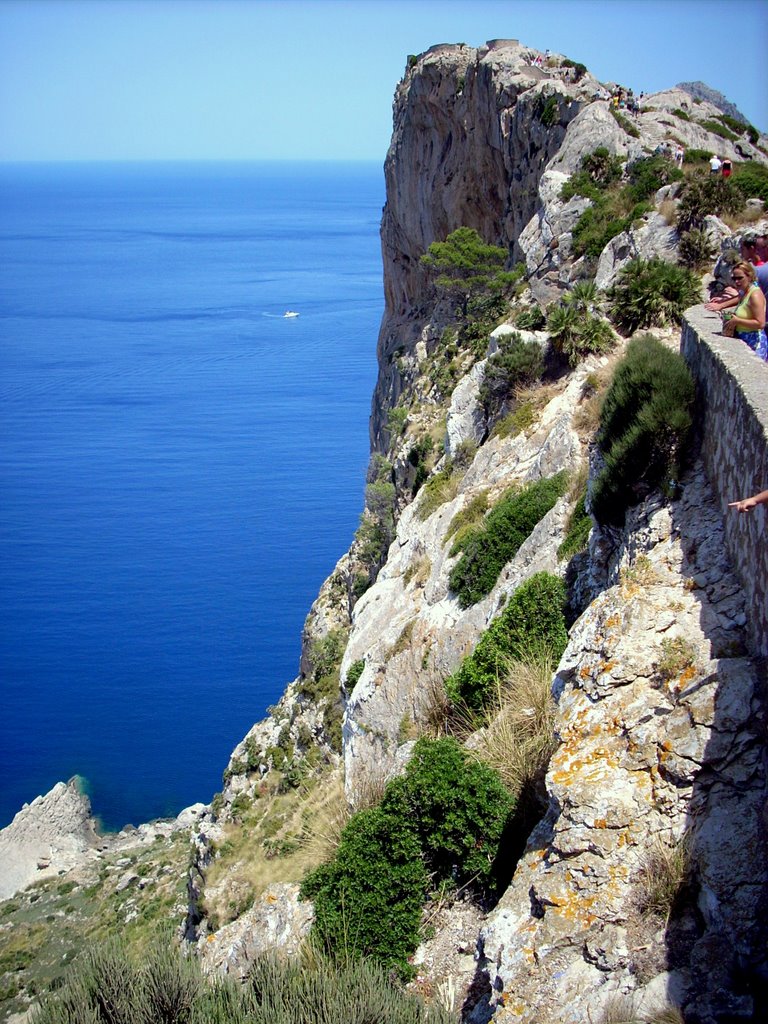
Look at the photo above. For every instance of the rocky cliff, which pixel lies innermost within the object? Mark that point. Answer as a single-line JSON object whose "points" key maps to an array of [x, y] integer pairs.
{"points": [[659, 745]]}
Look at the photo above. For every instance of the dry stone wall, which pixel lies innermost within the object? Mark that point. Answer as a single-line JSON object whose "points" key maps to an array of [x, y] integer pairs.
{"points": [[733, 422]]}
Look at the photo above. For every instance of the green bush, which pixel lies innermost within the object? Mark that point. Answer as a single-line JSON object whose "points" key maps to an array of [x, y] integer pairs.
{"points": [[651, 293], [705, 195], [625, 124], [648, 174], [368, 899], [697, 156], [458, 809], [547, 110], [751, 180], [696, 248], [577, 534], [504, 530], [531, 319], [517, 364], [645, 424], [597, 172], [531, 625], [579, 68], [355, 671], [577, 332], [445, 815], [719, 129]]}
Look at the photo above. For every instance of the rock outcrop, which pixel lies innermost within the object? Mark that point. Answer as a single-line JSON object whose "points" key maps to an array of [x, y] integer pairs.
{"points": [[46, 837]]}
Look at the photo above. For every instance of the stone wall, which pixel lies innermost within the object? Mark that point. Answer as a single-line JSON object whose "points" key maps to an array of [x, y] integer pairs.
{"points": [[733, 421]]}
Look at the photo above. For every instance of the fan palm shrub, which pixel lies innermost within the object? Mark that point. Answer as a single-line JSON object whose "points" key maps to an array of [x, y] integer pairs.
{"points": [[651, 293]]}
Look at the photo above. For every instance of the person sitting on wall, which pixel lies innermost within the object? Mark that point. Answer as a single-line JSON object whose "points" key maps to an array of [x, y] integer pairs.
{"points": [[747, 504], [747, 322]]}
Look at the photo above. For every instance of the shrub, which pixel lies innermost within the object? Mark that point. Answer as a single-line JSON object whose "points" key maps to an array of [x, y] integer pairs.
{"points": [[531, 319], [651, 293], [751, 180], [697, 156], [645, 423], [574, 328], [353, 674], [702, 196], [602, 167], [368, 899], [505, 529], [696, 248], [626, 125], [648, 174], [171, 989], [446, 814], [718, 129], [517, 364], [682, 114], [603, 221], [579, 69], [577, 534], [547, 110], [531, 627], [458, 809]]}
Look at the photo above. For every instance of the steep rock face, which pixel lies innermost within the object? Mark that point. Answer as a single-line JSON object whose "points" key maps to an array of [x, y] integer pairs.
{"points": [[468, 149], [484, 139], [661, 737], [408, 628]]}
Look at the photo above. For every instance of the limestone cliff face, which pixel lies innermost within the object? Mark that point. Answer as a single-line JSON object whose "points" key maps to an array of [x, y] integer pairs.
{"points": [[483, 138]]}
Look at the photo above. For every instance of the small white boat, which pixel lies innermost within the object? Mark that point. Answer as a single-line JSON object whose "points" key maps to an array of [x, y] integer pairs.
{"points": [[289, 313]]}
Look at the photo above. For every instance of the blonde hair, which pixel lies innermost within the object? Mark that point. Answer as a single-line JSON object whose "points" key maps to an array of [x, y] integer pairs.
{"points": [[747, 270]]}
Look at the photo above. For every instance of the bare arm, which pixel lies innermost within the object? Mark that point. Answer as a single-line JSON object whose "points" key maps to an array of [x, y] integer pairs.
{"points": [[747, 504]]}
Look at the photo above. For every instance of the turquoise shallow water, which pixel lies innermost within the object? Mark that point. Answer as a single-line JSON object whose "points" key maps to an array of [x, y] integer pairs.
{"points": [[181, 466]]}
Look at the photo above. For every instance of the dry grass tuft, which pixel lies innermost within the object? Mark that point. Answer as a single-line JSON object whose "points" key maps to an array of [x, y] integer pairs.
{"points": [[663, 874], [519, 738], [620, 1009]]}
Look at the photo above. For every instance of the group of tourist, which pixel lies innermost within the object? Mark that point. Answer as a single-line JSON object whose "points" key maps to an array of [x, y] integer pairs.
{"points": [[718, 166], [742, 306], [624, 99]]}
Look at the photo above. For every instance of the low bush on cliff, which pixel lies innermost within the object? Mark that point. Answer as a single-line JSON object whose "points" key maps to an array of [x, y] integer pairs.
{"points": [[503, 531], [105, 986], [652, 293], [444, 819], [705, 194], [531, 627], [517, 364], [645, 424], [575, 325]]}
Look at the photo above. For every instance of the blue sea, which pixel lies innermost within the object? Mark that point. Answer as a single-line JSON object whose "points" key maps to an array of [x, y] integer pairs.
{"points": [[181, 465]]}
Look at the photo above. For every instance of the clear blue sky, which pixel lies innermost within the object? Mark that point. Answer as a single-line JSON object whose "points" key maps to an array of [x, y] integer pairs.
{"points": [[314, 79]]}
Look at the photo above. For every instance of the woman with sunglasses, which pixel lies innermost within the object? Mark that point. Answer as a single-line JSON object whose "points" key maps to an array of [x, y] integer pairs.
{"points": [[748, 320]]}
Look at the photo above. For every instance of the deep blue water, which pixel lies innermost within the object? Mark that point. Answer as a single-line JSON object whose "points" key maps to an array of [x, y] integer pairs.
{"points": [[180, 466]]}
